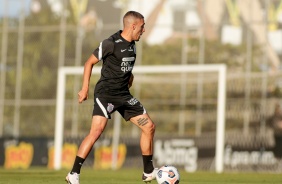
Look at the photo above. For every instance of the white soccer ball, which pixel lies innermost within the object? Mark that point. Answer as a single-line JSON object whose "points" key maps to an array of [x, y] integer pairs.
{"points": [[168, 175]]}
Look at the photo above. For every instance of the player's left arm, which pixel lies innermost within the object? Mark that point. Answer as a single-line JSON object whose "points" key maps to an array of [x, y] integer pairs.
{"points": [[130, 80]]}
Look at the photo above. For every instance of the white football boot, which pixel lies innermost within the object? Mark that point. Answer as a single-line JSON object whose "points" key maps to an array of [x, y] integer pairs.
{"points": [[149, 177], [72, 178]]}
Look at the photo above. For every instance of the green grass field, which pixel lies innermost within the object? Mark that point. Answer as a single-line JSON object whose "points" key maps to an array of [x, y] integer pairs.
{"points": [[131, 176]]}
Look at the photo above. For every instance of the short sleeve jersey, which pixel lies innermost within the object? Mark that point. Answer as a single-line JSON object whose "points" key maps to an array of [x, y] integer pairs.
{"points": [[118, 56]]}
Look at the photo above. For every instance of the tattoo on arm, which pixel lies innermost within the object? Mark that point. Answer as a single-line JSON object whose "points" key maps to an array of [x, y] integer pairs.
{"points": [[142, 121]]}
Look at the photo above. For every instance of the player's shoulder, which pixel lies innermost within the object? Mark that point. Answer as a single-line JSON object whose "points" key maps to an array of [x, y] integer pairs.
{"points": [[109, 41], [108, 44], [116, 38], [112, 40]]}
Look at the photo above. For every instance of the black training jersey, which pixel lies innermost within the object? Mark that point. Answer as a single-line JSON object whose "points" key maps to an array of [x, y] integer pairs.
{"points": [[118, 56]]}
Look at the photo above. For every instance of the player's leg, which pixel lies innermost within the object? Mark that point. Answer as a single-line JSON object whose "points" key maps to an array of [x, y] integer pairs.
{"points": [[97, 127], [147, 127]]}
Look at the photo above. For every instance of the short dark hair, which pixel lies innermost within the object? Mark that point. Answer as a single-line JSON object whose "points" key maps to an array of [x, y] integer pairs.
{"points": [[134, 14]]}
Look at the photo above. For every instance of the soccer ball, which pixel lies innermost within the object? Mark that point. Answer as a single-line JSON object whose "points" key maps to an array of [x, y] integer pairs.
{"points": [[168, 175]]}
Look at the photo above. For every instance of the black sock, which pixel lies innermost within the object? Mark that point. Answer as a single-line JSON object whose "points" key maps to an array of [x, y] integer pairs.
{"points": [[77, 165], [148, 163]]}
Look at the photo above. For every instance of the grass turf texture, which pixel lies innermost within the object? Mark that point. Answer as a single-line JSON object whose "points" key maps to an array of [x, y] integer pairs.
{"points": [[131, 176]]}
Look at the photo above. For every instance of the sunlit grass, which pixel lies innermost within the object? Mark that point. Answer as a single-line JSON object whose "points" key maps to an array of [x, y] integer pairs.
{"points": [[131, 176]]}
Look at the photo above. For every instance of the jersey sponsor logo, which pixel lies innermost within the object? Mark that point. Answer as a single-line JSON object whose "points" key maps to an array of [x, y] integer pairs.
{"points": [[110, 107], [128, 59], [126, 66], [122, 50], [132, 101]]}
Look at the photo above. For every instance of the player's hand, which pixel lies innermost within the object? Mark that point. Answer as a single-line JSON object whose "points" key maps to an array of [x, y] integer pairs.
{"points": [[82, 95]]}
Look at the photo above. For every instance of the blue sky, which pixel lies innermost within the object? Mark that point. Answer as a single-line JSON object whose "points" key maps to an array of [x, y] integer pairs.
{"points": [[13, 7]]}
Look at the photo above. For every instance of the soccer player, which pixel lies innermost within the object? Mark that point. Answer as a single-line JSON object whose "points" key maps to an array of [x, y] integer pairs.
{"points": [[111, 93]]}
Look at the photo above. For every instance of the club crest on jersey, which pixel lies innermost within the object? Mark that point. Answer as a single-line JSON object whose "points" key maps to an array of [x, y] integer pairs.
{"points": [[130, 49], [110, 107]]}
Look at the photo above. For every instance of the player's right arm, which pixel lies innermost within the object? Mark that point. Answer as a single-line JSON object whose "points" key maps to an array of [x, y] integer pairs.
{"points": [[83, 93], [105, 48]]}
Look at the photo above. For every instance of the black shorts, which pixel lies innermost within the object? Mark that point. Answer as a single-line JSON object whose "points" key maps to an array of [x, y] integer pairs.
{"points": [[127, 106]]}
